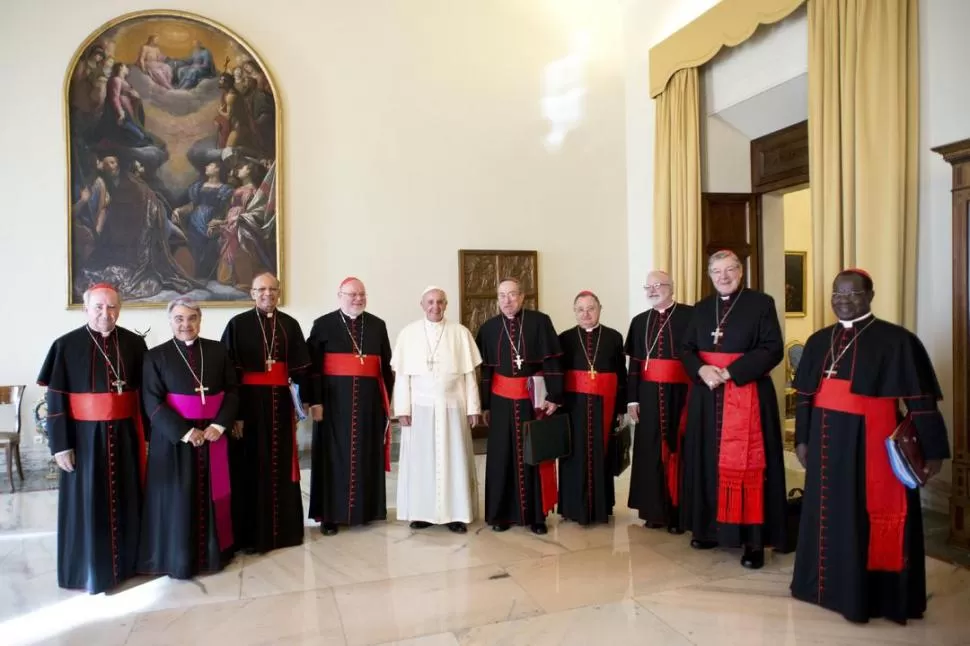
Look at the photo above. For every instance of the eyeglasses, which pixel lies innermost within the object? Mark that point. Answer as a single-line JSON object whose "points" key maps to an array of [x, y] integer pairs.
{"points": [[264, 290], [508, 295], [656, 285], [727, 271], [354, 295]]}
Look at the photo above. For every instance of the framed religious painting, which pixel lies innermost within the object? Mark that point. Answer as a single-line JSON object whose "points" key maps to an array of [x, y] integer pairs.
{"points": [[173, 155], [795, 280]]}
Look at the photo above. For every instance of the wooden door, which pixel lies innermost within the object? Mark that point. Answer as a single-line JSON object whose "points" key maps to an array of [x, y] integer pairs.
{"points": [[731, 221]]}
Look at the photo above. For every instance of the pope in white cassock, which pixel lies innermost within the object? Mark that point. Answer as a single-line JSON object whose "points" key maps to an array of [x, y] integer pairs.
{"points": [[436, 401]]}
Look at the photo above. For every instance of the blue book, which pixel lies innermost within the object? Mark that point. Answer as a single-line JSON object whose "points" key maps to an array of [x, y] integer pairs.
{"points": [[297, 402]]}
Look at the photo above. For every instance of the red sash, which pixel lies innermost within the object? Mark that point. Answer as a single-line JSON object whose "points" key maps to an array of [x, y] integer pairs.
{"points": [[105, 407], [885, 495], [517, 388], [604, 385], [348, 364], [670, 371], [741, 465], [279, 376]]}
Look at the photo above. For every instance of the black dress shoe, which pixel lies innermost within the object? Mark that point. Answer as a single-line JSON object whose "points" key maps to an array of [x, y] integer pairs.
{"points": [[675, 530], [753, 559], [329, 529], [500, 527], [458, 528], [420, 524], [698, 544], [651, 525], [539, 529]]}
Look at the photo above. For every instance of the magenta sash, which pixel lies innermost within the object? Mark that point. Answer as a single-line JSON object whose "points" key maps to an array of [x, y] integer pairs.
{"points": [[191, 407]]}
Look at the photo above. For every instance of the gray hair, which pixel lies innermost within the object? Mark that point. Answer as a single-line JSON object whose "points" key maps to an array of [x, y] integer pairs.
{"points": [[509, 279], [184, 302], [722, 255], [86, 297]]}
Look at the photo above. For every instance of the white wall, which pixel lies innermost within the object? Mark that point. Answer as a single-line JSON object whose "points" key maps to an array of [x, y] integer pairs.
{"points": [[647, 22], [944, 96], [412, 129], [725, 157]]}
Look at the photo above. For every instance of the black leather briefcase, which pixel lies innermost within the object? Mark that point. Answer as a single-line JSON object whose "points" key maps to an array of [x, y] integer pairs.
{"points": [[545, 439], [620, 442]]}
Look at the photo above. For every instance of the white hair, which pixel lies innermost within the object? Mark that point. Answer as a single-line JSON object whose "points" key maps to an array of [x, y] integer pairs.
{"points": [[722, 255], [184, 302]]}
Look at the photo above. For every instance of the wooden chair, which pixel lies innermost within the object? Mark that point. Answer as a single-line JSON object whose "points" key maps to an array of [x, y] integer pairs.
{"points": [[10, 439]]}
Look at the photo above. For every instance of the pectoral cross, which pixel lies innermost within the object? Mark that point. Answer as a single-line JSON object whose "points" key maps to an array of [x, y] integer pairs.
{"points": [[431, 364], [118, 384], [830, 372], [592, 373], [518, 362], [717, 334], [269, 364], [361, 357], [202, 391]]}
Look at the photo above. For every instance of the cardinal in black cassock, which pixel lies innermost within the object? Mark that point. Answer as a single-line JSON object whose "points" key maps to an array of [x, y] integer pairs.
{"points": [[351, 443], [515, 345], [657, 389], [860, 542], [190, 396], [594, 371], [268, 350], [95, 430], [734, 475]]}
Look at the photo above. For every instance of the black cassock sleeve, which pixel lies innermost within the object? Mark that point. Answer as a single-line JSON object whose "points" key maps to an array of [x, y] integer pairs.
{"points": [[689, 350], [230, 394], [803, 417], [768, 352], [164, 419], [633, 375], [53, 375], [300, 365], [313, 394], [551, 361], [621, 378], [228, 340], [485, 385]]}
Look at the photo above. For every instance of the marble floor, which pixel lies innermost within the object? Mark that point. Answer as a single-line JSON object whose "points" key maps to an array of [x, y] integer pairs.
{"points": [[387, 584]]}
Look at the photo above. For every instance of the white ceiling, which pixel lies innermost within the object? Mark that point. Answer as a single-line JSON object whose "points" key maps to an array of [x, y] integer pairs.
{"points": [[781, 106]]}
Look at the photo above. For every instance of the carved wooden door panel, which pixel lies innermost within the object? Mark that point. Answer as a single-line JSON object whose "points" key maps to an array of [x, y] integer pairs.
{"points": [[731, 221], [481, 272]]}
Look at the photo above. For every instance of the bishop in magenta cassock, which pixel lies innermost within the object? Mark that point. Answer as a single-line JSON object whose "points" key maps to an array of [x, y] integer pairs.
{"points": [[190, 395]]}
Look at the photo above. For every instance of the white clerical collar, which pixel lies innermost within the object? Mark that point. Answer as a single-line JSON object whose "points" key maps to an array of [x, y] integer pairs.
{"points": [[590, 329], [434, 324], [351, 317], [848, 324], [103, 334], [268, 315], [189, 343], [664, 310]]}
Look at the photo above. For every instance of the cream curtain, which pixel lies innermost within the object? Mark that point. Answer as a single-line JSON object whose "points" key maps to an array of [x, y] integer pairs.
{"points": [[677, 184], [863, 137]]}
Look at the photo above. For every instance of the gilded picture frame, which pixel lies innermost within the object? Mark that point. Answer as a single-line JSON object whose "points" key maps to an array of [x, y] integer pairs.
{"points": [[173, 129], [796, 279]]}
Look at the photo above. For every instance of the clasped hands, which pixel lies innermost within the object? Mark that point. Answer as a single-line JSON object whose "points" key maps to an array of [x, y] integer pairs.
{"points": [[714, 376], [198, 438]]}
